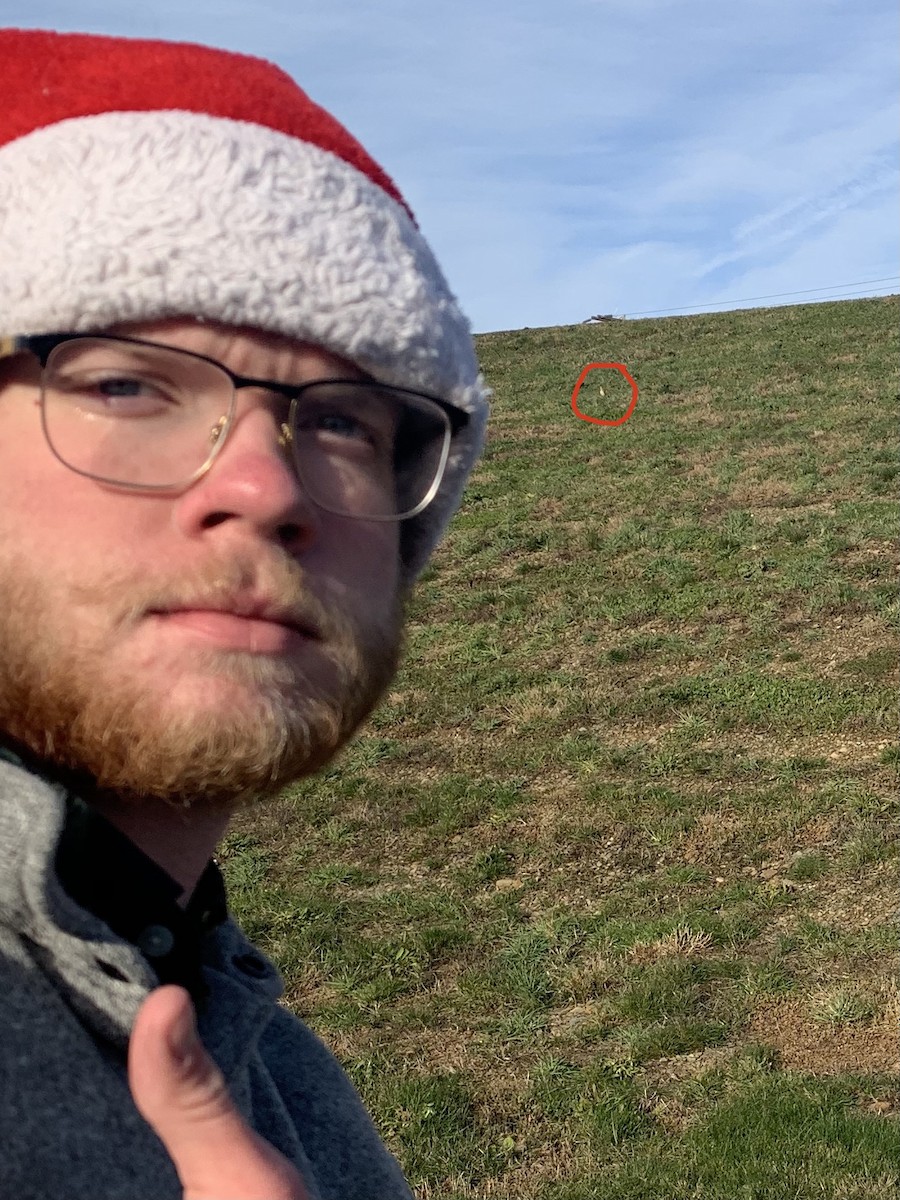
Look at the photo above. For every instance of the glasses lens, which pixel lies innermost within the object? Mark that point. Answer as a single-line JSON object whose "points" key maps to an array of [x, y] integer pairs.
{"points": [[133, 414], [365, 450], [147, 416]]}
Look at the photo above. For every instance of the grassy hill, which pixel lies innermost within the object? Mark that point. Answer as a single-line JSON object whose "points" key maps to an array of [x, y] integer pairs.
{"points": [[603, 903]]}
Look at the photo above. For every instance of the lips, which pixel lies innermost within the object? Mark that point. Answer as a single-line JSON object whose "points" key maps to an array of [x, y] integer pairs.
{"points": [[242, 624]]}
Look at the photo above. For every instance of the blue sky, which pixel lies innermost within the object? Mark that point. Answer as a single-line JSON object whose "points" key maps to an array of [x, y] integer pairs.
{"points": [[572, 157]]}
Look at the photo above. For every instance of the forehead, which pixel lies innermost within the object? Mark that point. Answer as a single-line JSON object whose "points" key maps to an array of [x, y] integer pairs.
{"points": [[244, 349]]}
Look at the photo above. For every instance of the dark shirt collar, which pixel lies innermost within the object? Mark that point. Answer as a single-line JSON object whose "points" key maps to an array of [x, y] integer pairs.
{"points": [[104, 872]]}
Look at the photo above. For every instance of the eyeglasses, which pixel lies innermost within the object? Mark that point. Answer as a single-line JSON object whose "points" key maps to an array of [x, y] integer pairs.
{"points": [[150, 418]]}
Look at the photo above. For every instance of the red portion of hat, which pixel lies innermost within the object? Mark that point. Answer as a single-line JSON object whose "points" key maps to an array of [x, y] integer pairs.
{"points": [[50, 77]]}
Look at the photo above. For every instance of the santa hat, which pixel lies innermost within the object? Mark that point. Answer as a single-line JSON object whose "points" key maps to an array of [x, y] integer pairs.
{"points": [[146, 179]]}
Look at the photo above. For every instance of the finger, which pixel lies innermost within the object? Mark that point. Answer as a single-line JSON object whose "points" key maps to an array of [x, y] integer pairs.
{"points": [[183, 1096]]}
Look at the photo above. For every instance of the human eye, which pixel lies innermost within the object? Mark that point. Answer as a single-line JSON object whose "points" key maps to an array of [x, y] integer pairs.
{"points": [[129, 395], [123, 395], [358, 421], [111, 383], [340, 423]]}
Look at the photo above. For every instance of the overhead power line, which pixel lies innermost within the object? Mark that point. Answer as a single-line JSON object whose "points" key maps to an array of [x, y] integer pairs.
{"points": [[889, 291], [772, 296]]}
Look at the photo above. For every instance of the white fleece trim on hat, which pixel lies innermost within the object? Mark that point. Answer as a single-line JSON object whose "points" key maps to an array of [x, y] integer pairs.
{"points": [[138, 216]]}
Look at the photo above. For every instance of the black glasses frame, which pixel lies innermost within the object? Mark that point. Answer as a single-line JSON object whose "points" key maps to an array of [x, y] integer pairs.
{"points": [[42, 346]]}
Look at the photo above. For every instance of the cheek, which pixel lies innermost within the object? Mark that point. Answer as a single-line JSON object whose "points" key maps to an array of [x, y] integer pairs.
{"points": [[42, 503], [63, 522], [363, 557]]}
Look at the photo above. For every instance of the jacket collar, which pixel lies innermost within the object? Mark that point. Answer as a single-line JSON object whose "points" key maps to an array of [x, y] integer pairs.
{"points": [[106, 874]]}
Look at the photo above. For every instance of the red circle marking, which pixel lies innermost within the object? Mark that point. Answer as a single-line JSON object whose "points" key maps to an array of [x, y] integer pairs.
{"points": [[604, 367]]}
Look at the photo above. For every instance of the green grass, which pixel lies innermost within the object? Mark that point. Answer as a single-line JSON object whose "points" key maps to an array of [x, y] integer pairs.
{"points": [[601, 903]]}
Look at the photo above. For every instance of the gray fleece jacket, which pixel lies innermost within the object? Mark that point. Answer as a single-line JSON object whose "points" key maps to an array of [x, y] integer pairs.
{"points": [[70, 989]]}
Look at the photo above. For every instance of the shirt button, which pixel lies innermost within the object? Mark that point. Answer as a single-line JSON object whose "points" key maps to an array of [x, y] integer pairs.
{"points": [[156, 941], [251, 965]]}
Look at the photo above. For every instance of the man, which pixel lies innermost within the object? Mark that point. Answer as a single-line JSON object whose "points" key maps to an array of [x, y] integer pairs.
{"points": [[238, 407]]}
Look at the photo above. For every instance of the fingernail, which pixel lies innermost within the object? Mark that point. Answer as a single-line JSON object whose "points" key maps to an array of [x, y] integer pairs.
{"points": [[183, 1038]]}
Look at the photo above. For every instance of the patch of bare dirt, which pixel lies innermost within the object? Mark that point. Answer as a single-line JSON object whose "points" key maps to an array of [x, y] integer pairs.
{"points": [[714, 833], [839, 639], [844, 750], [821, 1048], [852, 904], [692, 1065]]}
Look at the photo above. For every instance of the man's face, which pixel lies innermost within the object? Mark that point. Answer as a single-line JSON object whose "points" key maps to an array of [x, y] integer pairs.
{"points": [[201, 710]]}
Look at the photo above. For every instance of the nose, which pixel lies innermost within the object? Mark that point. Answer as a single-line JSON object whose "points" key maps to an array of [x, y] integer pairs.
{"points": [[253, 482]]}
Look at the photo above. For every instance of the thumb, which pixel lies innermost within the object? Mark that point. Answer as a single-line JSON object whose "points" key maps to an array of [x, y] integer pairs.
{"points": [[183, 1096]]}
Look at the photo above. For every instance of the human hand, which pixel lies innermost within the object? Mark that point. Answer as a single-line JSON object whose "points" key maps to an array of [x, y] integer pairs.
{"points": [[185, 1100]]}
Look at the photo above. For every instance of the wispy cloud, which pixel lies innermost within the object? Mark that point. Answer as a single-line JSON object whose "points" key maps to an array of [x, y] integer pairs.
{"points": [[597, 154]]}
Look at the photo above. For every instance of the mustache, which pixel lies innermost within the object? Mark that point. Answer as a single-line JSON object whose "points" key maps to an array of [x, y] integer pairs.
{"points": [[282, 581]]}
